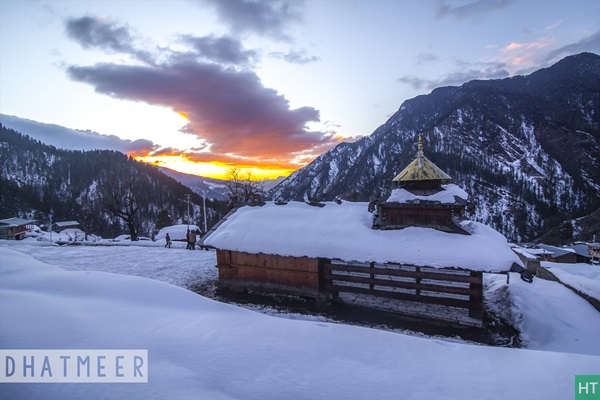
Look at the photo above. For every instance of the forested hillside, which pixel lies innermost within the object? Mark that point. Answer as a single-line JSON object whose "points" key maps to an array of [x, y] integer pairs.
{"points": [[46, 184]]}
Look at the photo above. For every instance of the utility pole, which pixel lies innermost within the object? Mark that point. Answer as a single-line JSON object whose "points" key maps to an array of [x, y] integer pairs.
{"points": [[204, 207], [187, 198]]}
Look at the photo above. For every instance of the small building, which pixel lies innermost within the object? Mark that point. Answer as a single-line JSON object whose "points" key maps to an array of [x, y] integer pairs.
{"points": [[568, 255], [531, 261], [594, 250], [345, 252], [61, 226], [15, 228]]}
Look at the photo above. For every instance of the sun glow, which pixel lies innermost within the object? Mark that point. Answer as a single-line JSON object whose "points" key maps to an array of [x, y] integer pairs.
{"points": [[215, 170]]}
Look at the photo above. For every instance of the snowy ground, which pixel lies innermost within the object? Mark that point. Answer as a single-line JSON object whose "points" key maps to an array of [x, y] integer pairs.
{"points": [[202, 349], [583, 277]]}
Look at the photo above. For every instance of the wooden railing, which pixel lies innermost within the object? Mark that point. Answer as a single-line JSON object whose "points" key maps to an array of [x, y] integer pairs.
{"points": [[446, 287]]}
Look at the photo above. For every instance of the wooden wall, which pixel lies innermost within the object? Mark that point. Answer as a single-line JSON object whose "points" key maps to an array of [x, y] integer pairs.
{"points": [[298, 275], [443, 291]]}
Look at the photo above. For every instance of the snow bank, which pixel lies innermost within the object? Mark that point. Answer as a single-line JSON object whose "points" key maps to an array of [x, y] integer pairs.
{"points": [[445, 196], [583, 277], [176, 232], [344, 231], [202, 349], [548, 315]]}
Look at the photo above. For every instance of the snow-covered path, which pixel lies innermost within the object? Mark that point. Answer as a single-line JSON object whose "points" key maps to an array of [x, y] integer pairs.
{"points": [[176, 265]]}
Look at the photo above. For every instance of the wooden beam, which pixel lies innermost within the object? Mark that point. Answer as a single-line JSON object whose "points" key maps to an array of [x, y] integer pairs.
{"points": [[440, 276]]}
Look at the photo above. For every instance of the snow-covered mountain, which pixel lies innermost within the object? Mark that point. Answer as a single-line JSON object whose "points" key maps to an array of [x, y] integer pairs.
{"points": [[527, 149], [213, 188]]}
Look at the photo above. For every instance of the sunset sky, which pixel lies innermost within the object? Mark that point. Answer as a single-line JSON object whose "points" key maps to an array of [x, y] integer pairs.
{"points": [[199, 85]]}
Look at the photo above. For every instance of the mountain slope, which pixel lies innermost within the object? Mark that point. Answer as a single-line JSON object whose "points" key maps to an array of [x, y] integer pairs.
{"points": [[213, 188], [527, 148]]}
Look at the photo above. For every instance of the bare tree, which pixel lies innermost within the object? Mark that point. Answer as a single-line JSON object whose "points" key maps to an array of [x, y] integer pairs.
{"points": [[121, 198], [243, 186]]}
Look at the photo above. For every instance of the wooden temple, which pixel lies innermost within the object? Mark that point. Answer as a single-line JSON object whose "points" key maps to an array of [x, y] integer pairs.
{"points": [[423, 196]]}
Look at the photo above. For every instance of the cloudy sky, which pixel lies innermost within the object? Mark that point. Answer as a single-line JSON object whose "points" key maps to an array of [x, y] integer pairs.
{"points": [[196, 85]]}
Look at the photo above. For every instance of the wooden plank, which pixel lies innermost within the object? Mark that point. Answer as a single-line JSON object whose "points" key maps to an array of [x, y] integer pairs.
{"points": [[403, 273], [275, 261], [444, 301], [465, 291], [298, 279]]}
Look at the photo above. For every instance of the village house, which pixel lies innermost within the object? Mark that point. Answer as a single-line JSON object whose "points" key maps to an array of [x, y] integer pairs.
{"points": [[570, 254], [61, 226], [15, 228], [594, 250], [410, 254]]}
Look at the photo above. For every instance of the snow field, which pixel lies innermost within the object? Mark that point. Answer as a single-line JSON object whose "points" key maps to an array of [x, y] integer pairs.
{"points": [[202, 349]]}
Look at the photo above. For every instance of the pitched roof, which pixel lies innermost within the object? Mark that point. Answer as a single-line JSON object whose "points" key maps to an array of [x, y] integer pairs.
{"points": [[16, 221], [344, 232], [556, 251], [422, 169]]}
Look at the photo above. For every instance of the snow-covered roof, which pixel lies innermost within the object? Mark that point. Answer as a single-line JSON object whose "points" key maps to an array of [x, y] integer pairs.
{"points": [[556, 251], [447, 195], [16, 221], [581, 249], [66, 223], [537, 251], [525, 253], [344, 232], [176, 232]]}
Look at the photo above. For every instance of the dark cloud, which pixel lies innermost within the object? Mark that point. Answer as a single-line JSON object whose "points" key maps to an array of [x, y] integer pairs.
{"points": [[92, 32], [266, 18], [222, 50], [474, 8], [467, 72], [295, 57], [230, 110], [587, 44], [226, 106]]}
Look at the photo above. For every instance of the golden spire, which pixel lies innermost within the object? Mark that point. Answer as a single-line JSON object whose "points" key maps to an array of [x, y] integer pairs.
{"points": [[420, 152], [421, 169]]}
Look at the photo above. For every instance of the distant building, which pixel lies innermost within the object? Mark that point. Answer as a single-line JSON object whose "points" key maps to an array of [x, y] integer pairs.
{"points": [[14, 228], [61, 226], [570, 254], [594, 250], [411, 262], [531, 261]]}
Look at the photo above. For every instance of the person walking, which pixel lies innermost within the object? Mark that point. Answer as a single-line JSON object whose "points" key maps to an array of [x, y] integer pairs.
{"points": [[187, 239], [168, 241], [193, 240]]}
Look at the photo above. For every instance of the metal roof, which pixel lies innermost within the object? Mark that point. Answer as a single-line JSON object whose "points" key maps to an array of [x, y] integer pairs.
{"points": [[422, 169]]}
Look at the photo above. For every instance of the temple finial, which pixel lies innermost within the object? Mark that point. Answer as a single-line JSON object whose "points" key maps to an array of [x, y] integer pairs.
{"points": [[420, 152]]}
